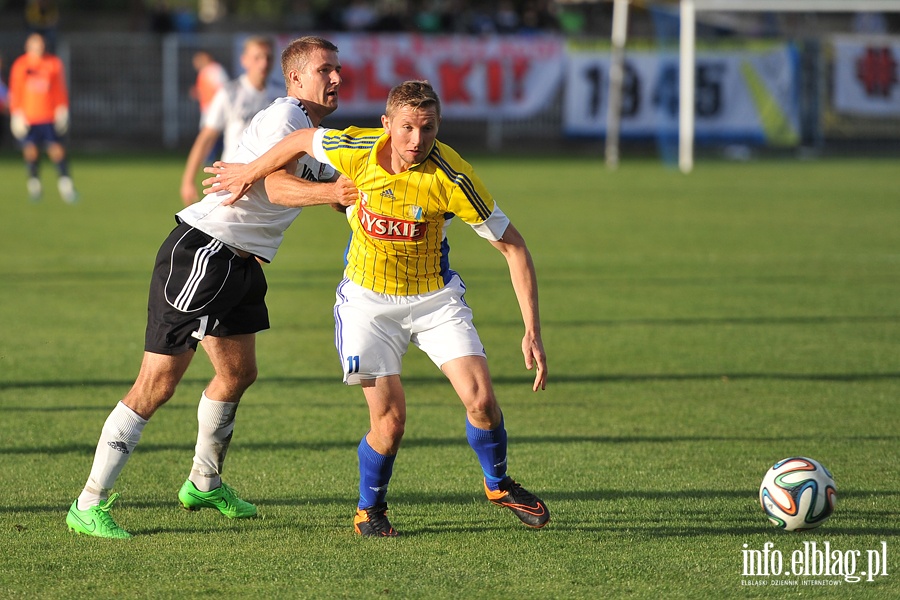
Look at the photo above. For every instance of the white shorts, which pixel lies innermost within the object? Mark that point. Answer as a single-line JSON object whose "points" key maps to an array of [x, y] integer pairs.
{"points": [[373, 331]]}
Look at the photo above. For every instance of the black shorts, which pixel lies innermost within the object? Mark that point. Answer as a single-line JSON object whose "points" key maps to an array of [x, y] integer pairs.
{"points": [[199, 288]]}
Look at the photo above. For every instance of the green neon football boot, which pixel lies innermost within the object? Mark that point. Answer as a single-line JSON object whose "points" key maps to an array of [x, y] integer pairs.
{"points": [[95, 521], [223, 498]]}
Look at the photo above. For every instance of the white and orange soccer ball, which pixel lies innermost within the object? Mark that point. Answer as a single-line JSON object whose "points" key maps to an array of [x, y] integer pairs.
{"points": [[798, 493]]}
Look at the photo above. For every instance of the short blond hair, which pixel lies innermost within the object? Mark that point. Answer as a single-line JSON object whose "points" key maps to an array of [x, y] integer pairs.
{"points": [[296, 55], [256, 40], [415, 94]]}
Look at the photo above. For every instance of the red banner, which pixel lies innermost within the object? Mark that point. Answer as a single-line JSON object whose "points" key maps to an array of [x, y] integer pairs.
{"points": [[476, 77]]}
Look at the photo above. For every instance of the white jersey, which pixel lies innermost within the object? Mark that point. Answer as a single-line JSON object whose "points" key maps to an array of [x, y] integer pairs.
{"points": [[232, 108], [253, 224]]}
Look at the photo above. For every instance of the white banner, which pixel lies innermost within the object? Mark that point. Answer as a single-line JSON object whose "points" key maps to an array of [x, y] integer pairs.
{"points": [[741, 94], [867, 75], [476, 77]]}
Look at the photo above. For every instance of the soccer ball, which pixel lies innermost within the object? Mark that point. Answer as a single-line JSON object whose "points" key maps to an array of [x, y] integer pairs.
{"points": [[797, 494]]}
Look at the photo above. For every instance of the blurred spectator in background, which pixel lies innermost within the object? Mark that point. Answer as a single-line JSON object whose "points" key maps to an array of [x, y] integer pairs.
{"points": [[211, 76], [231, 110], [538, 16], [39, 114], [359, 15], [301, 16], [394, 16], [506, 17], [478, 20], [485, 18], [571, 21], [870, 23], [430, 18], [42, 16], [4, 102], [162, 21], [4, 91]]}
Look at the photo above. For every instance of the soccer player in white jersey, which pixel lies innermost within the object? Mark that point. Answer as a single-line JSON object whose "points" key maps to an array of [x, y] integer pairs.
{"points": [[208, 286], [230, 111], [399, 289]]}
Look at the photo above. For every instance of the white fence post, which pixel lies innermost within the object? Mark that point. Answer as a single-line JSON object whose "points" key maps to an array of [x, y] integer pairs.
{"points": [[169, 87]]}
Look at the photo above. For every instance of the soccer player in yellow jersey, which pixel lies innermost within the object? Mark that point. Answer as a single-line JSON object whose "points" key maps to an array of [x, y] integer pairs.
{"points": [[398, 287]]}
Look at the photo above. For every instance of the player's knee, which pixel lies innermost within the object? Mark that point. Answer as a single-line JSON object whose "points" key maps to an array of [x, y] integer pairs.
{"points": [[483, 404], [244, 378], [147, 396], [241, 378], [247, 377], [390, 430], [485, 413], [56, 152], [395, 430], [162, 391]]}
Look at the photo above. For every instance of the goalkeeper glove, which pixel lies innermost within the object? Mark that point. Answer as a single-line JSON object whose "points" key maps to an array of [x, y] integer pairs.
{"points": [[61, 120], [18, 126]]}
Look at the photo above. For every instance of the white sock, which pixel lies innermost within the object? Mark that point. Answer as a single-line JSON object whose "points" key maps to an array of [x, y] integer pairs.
{"points": [[215, 424], [120, 434]]}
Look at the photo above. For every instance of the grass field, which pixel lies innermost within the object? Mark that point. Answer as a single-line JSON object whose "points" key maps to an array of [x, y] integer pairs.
{"points": [[698, 329]]}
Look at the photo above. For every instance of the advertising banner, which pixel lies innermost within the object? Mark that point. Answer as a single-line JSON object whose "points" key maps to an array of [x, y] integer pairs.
{"points": [[867, 76], [742, 94], [476, 77]]}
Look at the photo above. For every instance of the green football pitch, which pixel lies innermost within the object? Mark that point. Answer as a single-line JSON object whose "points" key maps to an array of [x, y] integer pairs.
{"points": [[698, 329]]}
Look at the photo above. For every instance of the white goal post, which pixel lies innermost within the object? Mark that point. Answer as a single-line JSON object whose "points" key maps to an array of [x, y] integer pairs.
{"points": [[688, 12]]}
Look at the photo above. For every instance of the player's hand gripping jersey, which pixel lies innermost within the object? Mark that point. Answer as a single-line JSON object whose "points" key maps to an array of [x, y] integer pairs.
{"points": [[255, 224], [398, 244]]}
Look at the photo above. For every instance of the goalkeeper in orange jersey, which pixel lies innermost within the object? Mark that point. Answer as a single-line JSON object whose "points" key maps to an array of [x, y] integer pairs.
{"points": [[39, 114]]}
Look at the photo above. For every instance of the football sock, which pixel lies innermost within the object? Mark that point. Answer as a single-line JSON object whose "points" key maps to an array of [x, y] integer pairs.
{"points": [[374, 475], [215, 426], [32, 166], [490, 447], [63, 167], [120, 434]]}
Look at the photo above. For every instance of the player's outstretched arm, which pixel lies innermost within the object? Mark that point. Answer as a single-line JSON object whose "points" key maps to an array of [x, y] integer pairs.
{"points": [[286, 189], [201, 148], [524, 281], [237, 178]]}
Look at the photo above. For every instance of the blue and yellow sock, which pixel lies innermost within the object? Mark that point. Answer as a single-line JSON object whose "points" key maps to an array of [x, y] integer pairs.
{"points": [[374, 475], [490, 447]]}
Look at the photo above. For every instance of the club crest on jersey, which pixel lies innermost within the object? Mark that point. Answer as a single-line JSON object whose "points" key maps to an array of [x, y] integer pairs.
{"points": [[390, 228]]}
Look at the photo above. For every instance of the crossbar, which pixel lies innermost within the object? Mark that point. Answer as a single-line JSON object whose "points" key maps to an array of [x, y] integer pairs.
{"points": [[798, 5]]}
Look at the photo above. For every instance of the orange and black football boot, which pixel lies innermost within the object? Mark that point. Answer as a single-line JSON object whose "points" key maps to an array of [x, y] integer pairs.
{"points": [[373, 522], [530, 509]]}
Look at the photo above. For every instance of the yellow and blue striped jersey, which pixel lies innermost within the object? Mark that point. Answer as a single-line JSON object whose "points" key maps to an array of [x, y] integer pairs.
{"points": [[398, 243]]}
